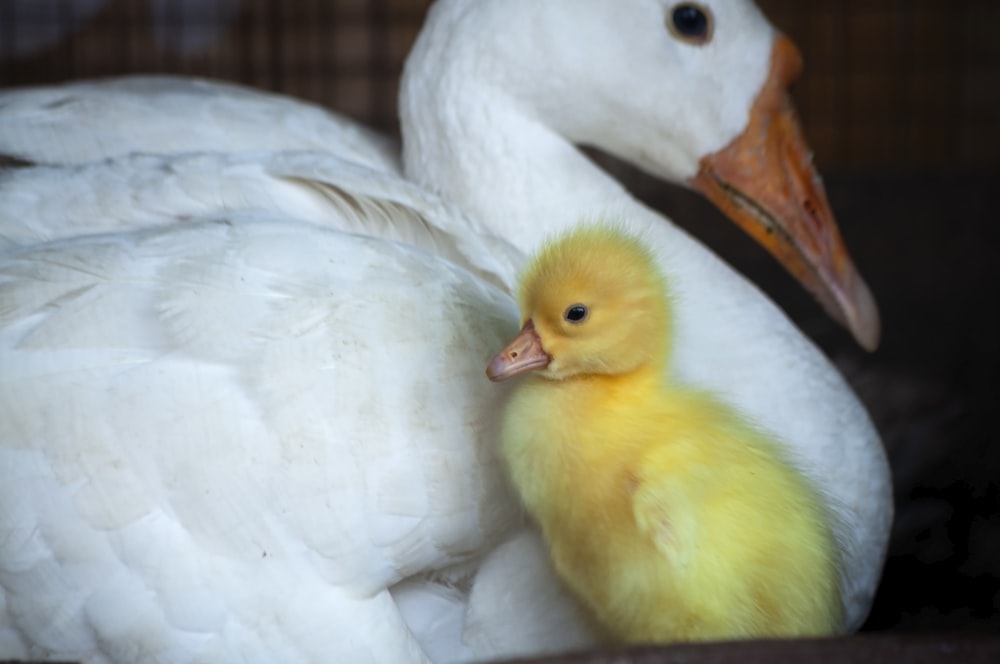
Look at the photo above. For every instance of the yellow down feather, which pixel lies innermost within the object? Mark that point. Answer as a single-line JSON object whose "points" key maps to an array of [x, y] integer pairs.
{"points": [[668, 514]]}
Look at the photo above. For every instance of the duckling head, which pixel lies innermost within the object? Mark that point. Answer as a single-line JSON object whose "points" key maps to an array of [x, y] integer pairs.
{"points": [[593, 302]]}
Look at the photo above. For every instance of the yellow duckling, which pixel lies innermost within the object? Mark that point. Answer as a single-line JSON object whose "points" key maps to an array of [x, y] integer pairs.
{"points": [[665, 512]]}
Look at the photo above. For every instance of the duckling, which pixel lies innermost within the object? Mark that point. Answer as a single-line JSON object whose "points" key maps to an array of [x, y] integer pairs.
{"points": [[670, 516]]}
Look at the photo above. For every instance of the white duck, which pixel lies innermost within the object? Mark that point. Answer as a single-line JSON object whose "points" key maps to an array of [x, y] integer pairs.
{"points": [[253, 437]]}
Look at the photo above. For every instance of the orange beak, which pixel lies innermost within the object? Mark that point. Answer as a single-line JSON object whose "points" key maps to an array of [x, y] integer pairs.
{"points": [[523, 354], [765, 182]]}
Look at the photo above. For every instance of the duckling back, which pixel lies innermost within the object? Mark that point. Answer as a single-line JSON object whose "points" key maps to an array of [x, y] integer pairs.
{"points": [[665, 512]]}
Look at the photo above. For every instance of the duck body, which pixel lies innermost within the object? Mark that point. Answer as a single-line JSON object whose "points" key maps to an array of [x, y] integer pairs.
{"points": [[658, 503], [173, 527]]}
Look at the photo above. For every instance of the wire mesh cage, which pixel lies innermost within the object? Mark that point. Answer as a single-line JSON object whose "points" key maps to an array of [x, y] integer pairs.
{"points": [[344, 54], [888, 84]]}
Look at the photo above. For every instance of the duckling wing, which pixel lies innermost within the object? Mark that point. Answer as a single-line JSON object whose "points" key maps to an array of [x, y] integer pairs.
{"points": [[666, 510], [210, 448], [746, 544]]}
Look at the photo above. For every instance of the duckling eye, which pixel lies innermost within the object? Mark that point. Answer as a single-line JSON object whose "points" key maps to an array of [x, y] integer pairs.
{"points": [[576, 313], [691, 23]]}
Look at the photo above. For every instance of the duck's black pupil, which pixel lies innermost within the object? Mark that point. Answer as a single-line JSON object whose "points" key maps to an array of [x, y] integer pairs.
{"points": [[690, 21], [576, 314]]}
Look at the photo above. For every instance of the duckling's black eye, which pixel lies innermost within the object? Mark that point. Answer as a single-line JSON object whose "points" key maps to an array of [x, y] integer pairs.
{"points": [[691, 22], [576, 313]]}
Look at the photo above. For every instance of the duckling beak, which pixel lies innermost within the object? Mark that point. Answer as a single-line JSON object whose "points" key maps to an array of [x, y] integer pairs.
{"points": [[765, 182], [525, 353]]}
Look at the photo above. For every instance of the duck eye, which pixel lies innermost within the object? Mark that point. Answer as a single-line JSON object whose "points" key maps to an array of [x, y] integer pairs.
{"points": [[691, 23], [576, 313]]}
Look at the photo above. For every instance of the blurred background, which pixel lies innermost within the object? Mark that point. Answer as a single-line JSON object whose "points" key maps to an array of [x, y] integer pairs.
{"points": [[901, 104]]}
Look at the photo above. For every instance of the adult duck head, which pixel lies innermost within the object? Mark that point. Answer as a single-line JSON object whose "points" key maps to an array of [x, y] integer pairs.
{"points": [[694, 93]]}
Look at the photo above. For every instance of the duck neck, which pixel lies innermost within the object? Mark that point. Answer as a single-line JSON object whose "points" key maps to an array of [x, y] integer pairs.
{"points": [[483, 147], [511, 173]]}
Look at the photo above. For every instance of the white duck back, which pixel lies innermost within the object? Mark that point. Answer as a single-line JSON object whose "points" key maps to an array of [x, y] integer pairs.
{"points": [[147, 190], [90, 120]]}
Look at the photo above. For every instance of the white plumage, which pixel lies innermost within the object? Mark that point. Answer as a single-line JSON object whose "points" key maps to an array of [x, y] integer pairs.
{"points": [[243, 413], [207, 451]]}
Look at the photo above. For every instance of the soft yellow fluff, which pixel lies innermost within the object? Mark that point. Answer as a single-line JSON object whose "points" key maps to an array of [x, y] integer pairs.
{"points": [[669, 515]]}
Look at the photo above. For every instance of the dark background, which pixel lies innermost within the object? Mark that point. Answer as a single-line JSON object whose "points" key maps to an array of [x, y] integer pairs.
{"points": [[901, 103]]}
